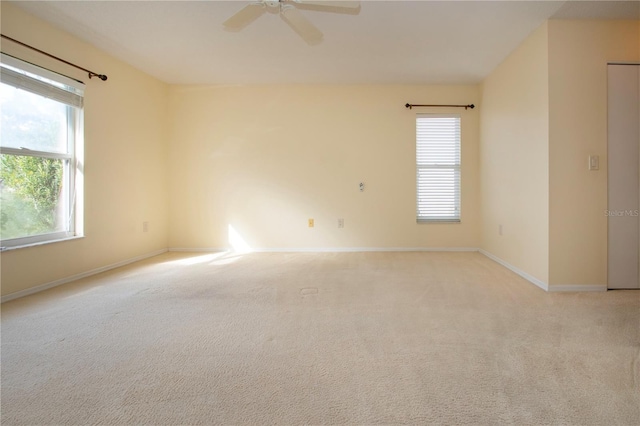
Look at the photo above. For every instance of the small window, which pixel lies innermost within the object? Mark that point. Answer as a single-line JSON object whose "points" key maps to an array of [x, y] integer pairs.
{"points": [[40, 143], [438, 167]]}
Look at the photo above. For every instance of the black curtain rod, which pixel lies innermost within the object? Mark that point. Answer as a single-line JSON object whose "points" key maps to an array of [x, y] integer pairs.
{"points": [[91, 73], [472, 106]]}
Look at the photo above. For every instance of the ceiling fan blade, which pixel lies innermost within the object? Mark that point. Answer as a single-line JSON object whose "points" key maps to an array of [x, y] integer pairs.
{"points": [[340, 4], [300, 24], [247, 15]]}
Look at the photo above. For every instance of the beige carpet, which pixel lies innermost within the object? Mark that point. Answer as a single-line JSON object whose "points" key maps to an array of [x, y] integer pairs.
{"points": [[348, 338]]}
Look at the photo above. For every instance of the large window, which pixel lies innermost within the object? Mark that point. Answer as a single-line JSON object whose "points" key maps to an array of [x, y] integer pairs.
{"points": [[438, 167], [40, 154]]}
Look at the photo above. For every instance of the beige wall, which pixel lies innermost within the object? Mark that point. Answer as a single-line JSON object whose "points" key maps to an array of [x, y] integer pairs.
{"points": [[578, 56], [125, 160], [264, 159], [515, 157]]}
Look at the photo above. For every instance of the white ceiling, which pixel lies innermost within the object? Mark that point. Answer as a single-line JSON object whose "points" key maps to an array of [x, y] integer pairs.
{"points": [[387, 42]]}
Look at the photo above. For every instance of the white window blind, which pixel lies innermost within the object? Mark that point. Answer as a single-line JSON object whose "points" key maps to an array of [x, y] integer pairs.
{"points": [[25, 76], [438, 167]]}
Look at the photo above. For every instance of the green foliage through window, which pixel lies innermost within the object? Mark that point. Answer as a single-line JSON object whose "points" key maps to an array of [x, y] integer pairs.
{"points": [[30, 192]]}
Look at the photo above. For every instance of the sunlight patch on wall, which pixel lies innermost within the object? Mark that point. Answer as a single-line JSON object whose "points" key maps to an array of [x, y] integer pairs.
{"points": [[238, 244]]}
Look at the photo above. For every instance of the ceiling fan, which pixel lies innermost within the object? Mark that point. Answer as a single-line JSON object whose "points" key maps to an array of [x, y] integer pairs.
{"points": [[288, 11]]}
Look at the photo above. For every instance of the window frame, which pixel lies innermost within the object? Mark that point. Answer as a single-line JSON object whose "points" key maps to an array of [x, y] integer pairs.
{"points": [[48, 84], [456, 167]]}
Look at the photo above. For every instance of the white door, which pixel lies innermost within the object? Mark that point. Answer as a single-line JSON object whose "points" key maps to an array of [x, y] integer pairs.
{"points": [[623, 166]]}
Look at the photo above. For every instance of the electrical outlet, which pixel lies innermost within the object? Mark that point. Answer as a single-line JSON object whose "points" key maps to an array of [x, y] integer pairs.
{"points": [[311, 223], [340, 223]]}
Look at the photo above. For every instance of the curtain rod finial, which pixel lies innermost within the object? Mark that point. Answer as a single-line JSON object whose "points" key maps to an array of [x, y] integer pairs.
{"points": [[408, 106], [100, 76]]}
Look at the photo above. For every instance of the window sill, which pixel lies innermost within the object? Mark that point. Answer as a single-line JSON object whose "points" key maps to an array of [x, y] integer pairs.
{"points": [[450, 221], [42, 243]]}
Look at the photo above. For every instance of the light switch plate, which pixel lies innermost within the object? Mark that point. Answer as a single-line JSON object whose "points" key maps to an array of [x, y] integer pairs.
{"points": [[594, 162]]}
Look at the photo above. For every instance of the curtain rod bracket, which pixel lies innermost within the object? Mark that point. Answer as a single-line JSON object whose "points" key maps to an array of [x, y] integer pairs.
{"points": [[410, 106], [102, 77]]}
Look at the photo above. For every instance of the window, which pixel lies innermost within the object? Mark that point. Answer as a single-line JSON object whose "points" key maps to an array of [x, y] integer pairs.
{"points": [[40, 154], [438, 167]]}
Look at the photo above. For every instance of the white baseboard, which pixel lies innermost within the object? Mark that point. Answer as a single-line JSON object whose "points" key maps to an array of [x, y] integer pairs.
{"points": [[75, 277], [518, 271], [197, 250], [546, 287], [360, 249], [579, 287], [327, 249]]}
